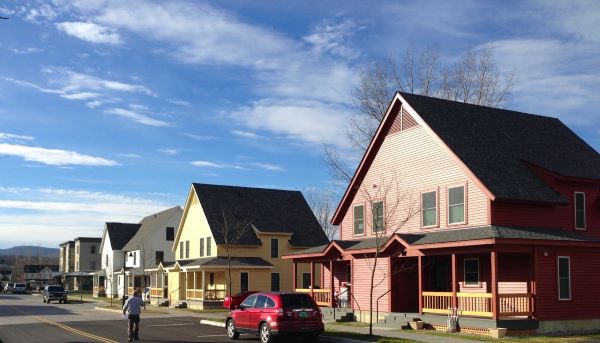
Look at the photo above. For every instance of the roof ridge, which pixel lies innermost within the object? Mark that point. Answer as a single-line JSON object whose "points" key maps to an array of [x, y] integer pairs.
{"points": [[245, 187]]}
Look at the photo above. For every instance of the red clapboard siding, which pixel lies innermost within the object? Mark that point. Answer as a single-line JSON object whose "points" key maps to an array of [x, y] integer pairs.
{"points": [[361, 283], [552, 216], [585, 282], [415, 161]]}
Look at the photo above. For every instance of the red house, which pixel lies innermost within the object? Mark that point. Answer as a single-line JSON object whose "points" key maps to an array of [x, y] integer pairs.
{"points": [[491, 211]]}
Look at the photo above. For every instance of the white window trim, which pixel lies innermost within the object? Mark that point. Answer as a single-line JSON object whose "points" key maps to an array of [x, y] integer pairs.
{"points": [[558, 258], [464, 187], [271, 246], [373, 232], [279, 281], [242, 272], [364, 233], [437, 208], [465, 273], [575, 211]]}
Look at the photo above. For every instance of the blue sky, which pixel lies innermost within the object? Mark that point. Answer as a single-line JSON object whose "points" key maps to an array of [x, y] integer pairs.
{"points": [[109, 110]]}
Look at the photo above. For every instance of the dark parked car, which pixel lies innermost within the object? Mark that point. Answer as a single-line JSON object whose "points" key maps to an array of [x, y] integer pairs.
{"points": [[236, 300], [54, 293], [269, 315]]}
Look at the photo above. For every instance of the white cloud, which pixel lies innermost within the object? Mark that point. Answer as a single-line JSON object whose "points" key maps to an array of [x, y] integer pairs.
{"points": [[245, 134], [129, 155], [208, 164], [137, 117], [11, 137], [43, 12], [90, 32], [25, 51], [266, 166], [312, 122], [200, 137], [331, 37], [80, 96], [169, 151], [53, 157], [72, 81]]}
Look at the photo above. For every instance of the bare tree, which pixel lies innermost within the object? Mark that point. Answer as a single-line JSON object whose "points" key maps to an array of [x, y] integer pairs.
{"points": [[322, 203], [109, 278], [147, 259], [390, 208], [475, 78], [233, 226]]}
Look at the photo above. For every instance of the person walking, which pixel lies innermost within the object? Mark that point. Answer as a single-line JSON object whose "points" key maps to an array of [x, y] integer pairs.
{"points": [[133, 308]]}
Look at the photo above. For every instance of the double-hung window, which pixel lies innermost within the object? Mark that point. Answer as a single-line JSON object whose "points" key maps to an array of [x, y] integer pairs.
{"points": [[201, 247], [180, 250], [377, 209], [564, 278], [429, 209], [274, 282], [274, 248], [456, 205], [580, 210], [187, 249], [359, 219], [208, 246]]}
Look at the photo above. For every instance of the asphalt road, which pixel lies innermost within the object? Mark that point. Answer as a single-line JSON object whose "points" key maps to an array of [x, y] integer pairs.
{"points": [[24, 318]]}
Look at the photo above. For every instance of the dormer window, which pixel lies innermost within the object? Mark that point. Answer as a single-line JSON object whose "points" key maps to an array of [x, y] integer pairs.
{"points": [[377, 209], [580, 210]]}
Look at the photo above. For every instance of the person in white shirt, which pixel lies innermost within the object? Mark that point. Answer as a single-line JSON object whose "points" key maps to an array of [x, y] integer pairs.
{"points": [[133, 308]]}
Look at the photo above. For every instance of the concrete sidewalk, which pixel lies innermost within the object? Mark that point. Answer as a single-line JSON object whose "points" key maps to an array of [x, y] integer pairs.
{"points": [[400, 334]]}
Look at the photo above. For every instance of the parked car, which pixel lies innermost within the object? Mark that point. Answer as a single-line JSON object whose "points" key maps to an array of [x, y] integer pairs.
{"points": [[19, 288], [236, 300], [54, 293], [9, 287], [270, 315]]}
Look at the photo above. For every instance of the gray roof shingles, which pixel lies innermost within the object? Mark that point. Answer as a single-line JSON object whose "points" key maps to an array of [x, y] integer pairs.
{"points": [[121, 233], [266, 210], [497, 145]]}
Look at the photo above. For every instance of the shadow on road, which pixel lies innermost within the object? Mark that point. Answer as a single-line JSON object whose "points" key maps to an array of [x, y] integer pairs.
{"points": [[9, 311]]}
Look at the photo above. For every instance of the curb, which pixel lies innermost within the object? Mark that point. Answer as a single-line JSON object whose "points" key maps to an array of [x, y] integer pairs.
{"points": [[212, 323]]}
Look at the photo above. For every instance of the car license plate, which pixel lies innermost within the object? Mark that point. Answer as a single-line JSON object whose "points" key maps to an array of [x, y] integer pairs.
{"points": [[303, 314]]}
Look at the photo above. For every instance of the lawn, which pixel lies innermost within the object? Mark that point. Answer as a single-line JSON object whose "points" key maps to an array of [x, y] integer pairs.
{"points": [[363, 337]]}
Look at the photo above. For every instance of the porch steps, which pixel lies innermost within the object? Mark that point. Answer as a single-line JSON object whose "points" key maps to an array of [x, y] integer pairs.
{"points": [[337, 314], [398, 320]]}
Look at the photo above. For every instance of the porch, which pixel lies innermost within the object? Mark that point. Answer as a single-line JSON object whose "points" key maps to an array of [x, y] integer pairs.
{"points": [[335, 279]]}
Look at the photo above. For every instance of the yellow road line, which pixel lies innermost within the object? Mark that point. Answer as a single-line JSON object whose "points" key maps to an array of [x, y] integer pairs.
{"points": [[63, 326]]}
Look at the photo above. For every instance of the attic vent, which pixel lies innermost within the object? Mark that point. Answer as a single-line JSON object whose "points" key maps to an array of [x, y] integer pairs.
{"points": [[402, 122]]}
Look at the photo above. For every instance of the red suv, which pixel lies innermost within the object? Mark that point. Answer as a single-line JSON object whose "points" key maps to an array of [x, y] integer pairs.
{"points": [[275, 314], [235, 300]]}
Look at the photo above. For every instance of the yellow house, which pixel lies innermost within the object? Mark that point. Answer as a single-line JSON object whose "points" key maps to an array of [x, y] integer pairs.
{"points": [[231, 239]]}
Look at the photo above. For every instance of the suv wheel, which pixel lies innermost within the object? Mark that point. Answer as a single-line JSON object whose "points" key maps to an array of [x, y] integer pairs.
{"points": [[231, 331], [265, 333]]}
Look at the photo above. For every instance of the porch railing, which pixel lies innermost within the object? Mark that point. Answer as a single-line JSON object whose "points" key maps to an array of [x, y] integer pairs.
{"points": [[193, 294], [322, 296], [129, 290], [215, 295], [156, 292], [98, 290], [479, 304], [520, 304]]}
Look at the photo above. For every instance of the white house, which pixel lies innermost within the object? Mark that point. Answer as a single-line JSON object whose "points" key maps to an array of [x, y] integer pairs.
{"points": [[151, 245], [107, 281]]}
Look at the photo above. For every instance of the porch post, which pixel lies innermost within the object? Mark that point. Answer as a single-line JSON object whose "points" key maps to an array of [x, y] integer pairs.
{"points": [[203, 285], [294, 276], [195, 286], [420, 266], [494, 265], [454, 299], [312, 279], [331, 282], [531, 289]]}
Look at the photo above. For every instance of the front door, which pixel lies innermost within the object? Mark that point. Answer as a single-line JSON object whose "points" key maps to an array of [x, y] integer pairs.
{"points": [[440, 276]]}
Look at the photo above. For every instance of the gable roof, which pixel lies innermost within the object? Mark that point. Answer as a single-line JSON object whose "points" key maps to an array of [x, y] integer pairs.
{"points": [[120, 233], [496, 147], [150, 224], [37, 268], [265, 210]]}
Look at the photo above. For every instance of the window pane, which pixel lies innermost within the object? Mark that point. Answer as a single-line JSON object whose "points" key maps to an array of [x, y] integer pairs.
{"points": [[456, 214], [565, 288], [270, 303], [429, 200], [305, 280], [456, 195], [249, 302], [429, 217], [275, 282], [579, 201], [377, 209], [260, 301], [208, 246], [359, 227], [471, 271], [274, 248], [563, 267]]}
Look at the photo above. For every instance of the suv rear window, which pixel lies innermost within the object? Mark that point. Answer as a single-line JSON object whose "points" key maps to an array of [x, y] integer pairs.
{"points": [[19, 285], [297, 301], [55, 289]]}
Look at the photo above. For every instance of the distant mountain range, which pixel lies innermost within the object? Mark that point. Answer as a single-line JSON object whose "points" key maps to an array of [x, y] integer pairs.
{"points": [[30, 251]]}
